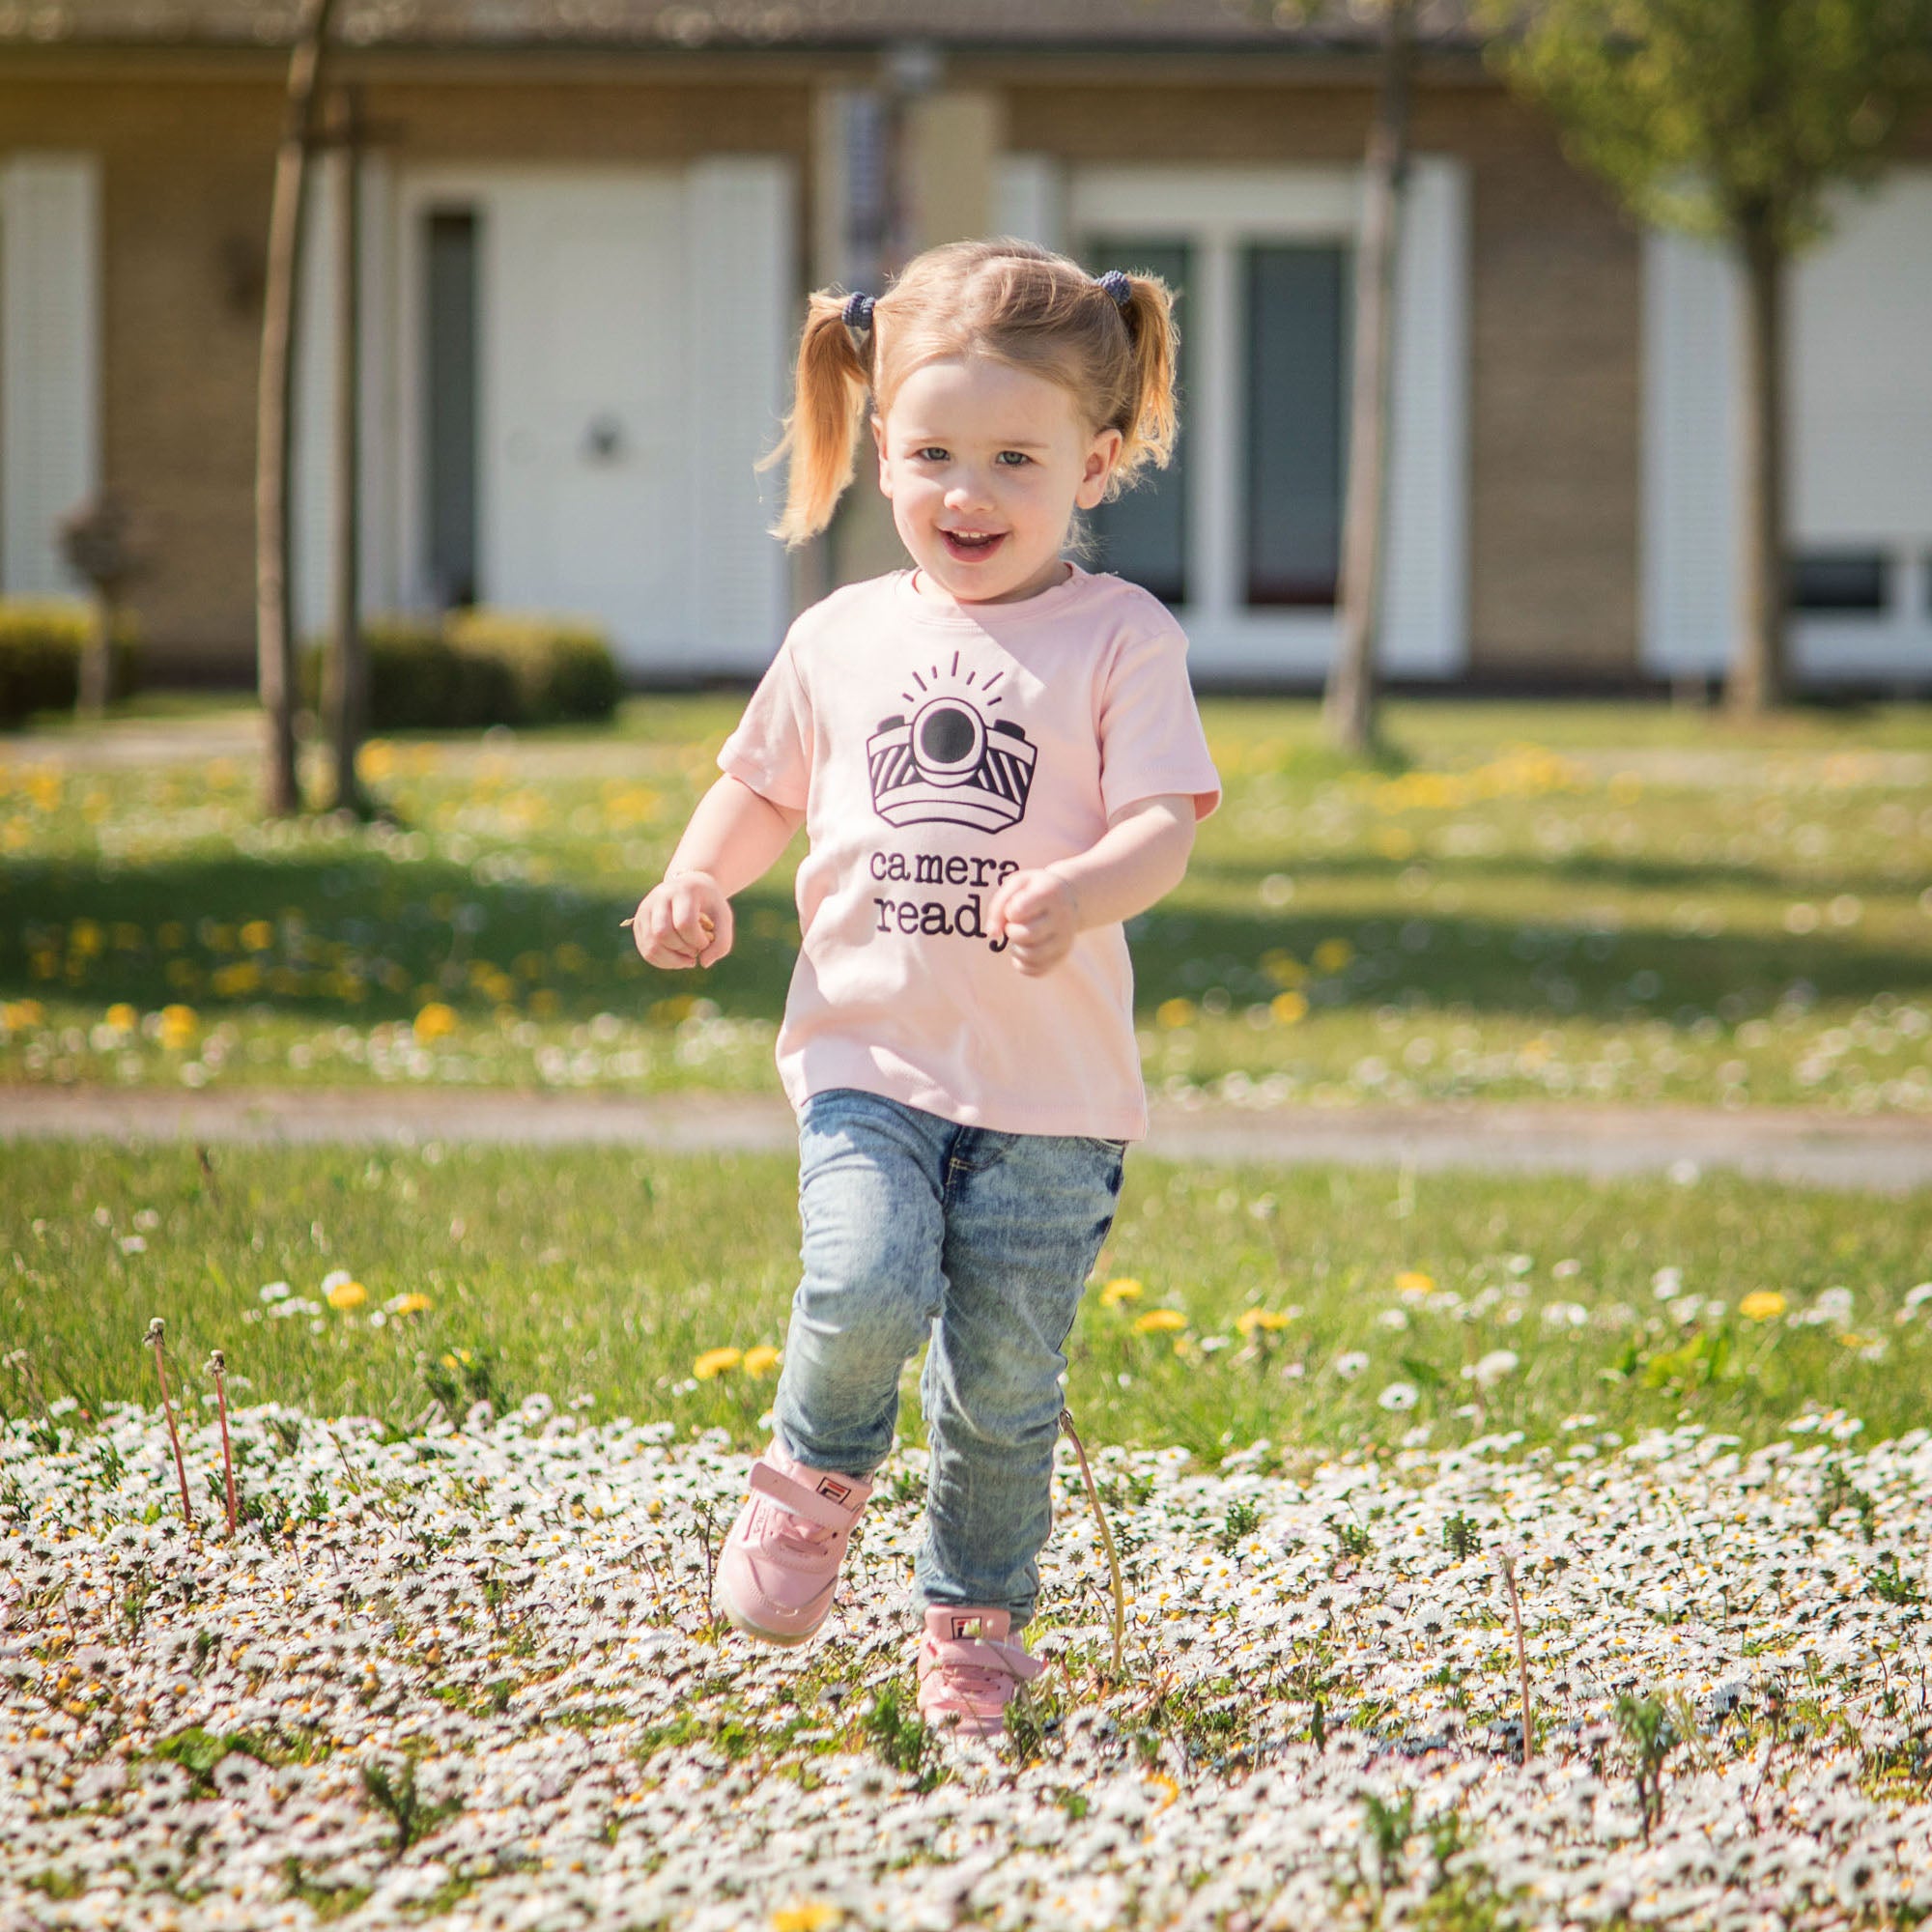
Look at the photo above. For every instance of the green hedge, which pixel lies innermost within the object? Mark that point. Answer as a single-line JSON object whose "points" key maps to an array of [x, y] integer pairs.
{"points": [[477, 667], [41, 642]]}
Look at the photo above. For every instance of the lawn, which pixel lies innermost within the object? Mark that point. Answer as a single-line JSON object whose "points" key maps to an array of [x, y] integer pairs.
{"points": [[1591, 902], [1305, 1307]]}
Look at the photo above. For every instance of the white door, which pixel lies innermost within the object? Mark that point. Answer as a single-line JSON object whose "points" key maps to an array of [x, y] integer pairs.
{"points": [[585, 406]]}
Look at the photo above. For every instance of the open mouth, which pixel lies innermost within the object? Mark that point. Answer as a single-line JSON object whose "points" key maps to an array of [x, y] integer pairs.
{"points": [[973, 546]]}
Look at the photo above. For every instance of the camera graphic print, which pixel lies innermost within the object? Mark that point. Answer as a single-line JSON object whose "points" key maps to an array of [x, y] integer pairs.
{"points": [[949, 760]]}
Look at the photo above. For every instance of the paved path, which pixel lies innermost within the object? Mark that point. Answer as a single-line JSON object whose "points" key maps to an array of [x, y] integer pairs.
{"points": [[1890, 1154]]}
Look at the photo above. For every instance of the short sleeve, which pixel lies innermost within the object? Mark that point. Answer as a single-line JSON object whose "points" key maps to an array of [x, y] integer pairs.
{"points": [[1152, 744], [771, 749]]}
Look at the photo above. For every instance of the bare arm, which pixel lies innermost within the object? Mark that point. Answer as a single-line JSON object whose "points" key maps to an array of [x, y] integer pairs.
{"points": [[1137, 861], [734, 837]]}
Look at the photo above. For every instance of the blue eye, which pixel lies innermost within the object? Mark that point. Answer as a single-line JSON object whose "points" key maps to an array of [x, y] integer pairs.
{"points": [[1013, 458], [931, 453]]}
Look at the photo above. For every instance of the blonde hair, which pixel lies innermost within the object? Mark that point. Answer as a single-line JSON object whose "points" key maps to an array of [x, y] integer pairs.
{"points": [[1011, 301]]}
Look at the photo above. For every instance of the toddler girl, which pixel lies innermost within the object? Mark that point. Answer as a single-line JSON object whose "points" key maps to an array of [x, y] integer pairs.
{"points": [[996, 759]]}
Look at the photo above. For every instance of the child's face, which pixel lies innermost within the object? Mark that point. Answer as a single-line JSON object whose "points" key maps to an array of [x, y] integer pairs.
{"points": [[985, 465]]}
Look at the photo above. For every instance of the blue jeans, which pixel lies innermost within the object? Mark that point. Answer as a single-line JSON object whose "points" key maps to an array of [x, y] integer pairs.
{"points": [[913, 1227]]}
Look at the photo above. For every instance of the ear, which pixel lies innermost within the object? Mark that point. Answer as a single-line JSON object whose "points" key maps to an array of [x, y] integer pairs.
{"points": [[1098, 470], [879, 443]]}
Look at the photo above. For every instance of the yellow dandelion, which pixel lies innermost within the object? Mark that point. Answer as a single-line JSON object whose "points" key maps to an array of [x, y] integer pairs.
{"points": [[1172, 1015], [1763, 1304], [412, 1303], [1332, 955], [1284, 968], [714, 1362], [1288, 1008], [179, 1027], [1120, 1288], [123, 1018], [343, 1293], [1413, 1281], [815, 1916], [258, 935], [760, 1361], [1159, 1321], [435, 1021], [1268, 1321]]}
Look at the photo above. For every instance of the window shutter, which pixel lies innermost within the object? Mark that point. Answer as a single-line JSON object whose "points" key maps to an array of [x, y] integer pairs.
{"points": [[312, 467], [49, 361], [313, 474], [741, 288], [1426, 587], [1688, 570]]}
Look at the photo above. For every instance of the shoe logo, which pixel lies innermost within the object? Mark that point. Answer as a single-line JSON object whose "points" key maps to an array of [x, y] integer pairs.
{"points": [[838, 1492], [964, 1627], [948, 763]]}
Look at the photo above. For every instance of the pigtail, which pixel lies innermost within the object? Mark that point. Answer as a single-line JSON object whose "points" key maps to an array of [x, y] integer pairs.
{"points": [[1149, 421], [821, 434]]}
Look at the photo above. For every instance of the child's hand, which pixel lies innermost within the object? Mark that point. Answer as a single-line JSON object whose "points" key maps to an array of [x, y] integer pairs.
{"points": [[1036, 914], [684, 922]]}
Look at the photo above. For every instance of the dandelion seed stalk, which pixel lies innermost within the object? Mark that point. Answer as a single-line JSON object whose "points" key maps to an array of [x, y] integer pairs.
{"points": [[1506, 1562], [218, 1364], [157, 1338], [1106, 1536]]}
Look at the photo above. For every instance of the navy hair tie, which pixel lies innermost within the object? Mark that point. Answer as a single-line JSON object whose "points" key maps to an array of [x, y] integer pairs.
{"points": [[859, 312], [1118, 285]]}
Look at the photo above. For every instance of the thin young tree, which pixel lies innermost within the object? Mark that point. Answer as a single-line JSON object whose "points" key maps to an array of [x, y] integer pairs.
{"points": [[274, 612], [1733, 119], [1349, 703]]}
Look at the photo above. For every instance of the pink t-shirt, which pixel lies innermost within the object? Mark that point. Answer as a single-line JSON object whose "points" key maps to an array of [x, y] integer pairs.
{"points": [[935, 748]]}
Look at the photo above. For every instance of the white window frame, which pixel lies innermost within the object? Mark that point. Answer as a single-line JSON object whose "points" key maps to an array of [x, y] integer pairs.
{"points": [[1216, 211]]}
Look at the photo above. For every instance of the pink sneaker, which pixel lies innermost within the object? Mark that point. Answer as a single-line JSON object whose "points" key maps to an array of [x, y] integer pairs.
{"points": [[779, 1565], [968, 1672]]}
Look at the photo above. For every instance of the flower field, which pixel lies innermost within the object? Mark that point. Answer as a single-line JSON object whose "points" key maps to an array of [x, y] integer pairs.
{"points": [[466, 1675], [1589, 903]]}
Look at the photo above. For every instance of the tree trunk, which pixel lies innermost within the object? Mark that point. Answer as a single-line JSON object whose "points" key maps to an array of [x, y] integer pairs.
{"points": [[346, 701], [1348, 704], [274, 615], [96, 658], [1757, 681]]}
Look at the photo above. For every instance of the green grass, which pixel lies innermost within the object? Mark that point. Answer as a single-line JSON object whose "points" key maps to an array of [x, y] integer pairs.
{"points": [[607, 1274], [1590, 902]]}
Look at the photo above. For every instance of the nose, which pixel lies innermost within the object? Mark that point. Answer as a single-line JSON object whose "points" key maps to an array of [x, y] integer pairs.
{"points": [[968, 491]]}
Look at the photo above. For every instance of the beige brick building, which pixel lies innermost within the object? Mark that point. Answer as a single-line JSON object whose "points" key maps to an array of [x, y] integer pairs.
{"points": [[587, 227]]}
